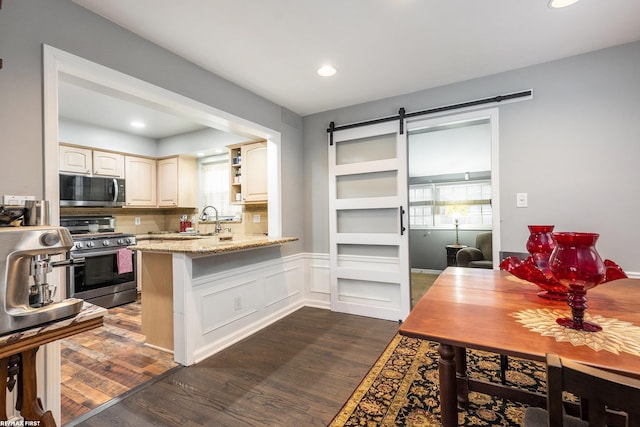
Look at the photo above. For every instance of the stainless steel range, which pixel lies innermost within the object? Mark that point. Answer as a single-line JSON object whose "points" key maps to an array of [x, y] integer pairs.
{"points": [[108, 276]]}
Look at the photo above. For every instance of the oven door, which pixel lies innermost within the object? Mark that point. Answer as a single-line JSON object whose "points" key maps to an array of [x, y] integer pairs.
{"points": [[99, 277]]}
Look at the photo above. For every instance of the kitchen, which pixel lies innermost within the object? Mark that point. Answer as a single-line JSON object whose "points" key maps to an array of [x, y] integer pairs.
{"points": [[142, 220], [176, 210]]}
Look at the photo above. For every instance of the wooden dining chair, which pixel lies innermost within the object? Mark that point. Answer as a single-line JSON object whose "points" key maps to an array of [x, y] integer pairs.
{"points": [[602, 395]]}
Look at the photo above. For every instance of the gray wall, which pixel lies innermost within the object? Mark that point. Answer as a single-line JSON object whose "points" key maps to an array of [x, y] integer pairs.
{"points": [[574, 148], [25, 25]]}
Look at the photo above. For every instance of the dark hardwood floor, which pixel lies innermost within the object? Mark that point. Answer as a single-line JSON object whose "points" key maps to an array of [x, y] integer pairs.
{"points": [[296, 372]]}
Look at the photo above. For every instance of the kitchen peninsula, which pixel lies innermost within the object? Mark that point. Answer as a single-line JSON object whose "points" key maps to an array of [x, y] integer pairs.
{"points": [[201, 293]]}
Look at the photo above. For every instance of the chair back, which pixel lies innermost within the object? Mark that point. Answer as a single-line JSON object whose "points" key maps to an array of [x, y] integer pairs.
{"points": [[598, 391], [484, 242]]}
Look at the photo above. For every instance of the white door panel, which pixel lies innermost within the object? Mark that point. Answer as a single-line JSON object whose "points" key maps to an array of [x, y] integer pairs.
{"points": [[368, 217]]}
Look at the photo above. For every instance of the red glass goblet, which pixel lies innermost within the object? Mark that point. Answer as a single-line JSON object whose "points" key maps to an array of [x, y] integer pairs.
{"points": [[576, 264]]}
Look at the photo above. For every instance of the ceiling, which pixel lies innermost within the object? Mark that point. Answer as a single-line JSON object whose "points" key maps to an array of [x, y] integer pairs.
{"points": [[87, 103], [380, 48]]}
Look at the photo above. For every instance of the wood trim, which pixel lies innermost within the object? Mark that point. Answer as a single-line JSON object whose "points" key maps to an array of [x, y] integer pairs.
{"points": [[35, 341]]}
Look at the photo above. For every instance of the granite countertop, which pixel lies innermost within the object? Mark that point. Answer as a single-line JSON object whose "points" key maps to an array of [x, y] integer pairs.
{"points": [[198, 244]]}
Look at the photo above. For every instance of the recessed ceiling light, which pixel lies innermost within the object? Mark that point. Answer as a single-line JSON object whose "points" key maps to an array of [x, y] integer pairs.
{"points": [[200, 154], [137, 124], [326, 71], [557, 4]]}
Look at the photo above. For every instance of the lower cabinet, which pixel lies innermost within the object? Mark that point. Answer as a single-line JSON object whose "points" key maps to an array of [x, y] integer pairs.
{"points": [[157, 300]]}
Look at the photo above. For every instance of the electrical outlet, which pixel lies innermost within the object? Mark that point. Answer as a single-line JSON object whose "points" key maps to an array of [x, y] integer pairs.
{"points": [[237, 303], [10, 200], [137, 220], [256, 218]]}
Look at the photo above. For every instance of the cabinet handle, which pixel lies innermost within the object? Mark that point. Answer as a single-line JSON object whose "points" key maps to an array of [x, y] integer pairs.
{"points": [[402, 227]]}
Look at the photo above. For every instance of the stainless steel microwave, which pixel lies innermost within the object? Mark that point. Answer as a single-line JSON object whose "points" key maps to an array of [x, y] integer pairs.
{"points": [[79, 190]]}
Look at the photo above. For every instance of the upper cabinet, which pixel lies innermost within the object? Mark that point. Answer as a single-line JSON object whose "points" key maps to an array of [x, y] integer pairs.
{"points": [[140, 173], [177, 182], [85, 161], [248, 165], [108, 164], [150, 182], [75, 160]]}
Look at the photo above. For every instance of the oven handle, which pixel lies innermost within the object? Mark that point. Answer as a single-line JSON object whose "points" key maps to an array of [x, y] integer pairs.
{"points": [[97, 252], [71, 262]]}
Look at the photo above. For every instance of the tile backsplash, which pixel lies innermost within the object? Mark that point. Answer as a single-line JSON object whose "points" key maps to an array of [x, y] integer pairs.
{"points": [[145, 220]]}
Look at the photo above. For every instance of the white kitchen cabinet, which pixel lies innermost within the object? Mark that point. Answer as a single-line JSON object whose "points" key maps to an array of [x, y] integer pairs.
{"points": [[248, 165], [140, 173], [254, 185], [177, 182], [108, 164], [75, 160]]}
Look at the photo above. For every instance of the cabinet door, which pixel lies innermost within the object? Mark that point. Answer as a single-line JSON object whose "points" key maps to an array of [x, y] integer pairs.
{"points": [[168, 182], [254, 173], [140, 174], [108, 164], [75, 160]]}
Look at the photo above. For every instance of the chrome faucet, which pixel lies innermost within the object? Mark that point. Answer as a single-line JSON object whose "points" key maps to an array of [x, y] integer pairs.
{"points": [[204, 216]]}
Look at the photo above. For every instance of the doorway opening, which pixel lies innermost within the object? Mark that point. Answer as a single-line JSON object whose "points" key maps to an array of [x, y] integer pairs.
{"points": [[453, 191], [60, 65]]}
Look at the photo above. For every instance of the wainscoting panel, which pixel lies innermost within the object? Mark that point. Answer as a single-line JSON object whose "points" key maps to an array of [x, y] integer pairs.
{"points": [[317, 284], [238, 302], [222, 307], [283, 286]]}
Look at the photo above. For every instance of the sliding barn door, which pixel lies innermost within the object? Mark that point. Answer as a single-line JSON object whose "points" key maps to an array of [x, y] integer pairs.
{"points": [[369, 246]]}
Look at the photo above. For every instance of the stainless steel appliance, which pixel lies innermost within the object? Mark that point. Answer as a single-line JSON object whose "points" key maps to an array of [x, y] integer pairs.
{"points": [[25, 260], [101, 280], [79, 190], [36, 212]]}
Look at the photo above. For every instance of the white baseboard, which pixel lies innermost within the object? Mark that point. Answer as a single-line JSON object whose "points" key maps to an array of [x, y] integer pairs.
{"points": [[425, 271]]}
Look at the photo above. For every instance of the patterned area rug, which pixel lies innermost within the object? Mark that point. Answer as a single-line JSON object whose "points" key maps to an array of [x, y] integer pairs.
{"points": [[401, 389]]}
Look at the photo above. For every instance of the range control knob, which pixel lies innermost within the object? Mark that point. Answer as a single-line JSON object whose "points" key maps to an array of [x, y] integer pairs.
{"points": [[90, 244], [79, 245], [120, 242], [105, 243]]}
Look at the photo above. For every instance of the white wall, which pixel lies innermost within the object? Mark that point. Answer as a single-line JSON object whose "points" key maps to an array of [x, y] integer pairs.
{"points": [[450, 150], [573, 148]]}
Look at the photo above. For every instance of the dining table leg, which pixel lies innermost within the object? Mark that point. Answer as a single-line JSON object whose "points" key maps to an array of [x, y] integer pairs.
{"points": [[448, 387], [462, 379]]}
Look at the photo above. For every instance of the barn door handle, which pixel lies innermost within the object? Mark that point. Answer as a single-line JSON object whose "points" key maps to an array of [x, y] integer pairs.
{"points": [[402, 227]]}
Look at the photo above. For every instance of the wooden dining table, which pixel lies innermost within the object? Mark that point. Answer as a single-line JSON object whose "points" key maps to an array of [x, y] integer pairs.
{"points": [[469, 308]]}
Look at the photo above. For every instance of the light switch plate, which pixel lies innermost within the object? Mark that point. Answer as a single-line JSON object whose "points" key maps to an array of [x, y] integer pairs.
{"points": [[256, 218], [521, 200]]}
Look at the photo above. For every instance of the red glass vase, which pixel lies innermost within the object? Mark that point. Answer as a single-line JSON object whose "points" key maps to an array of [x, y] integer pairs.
{"points": [[535, 268], [540, 239], [540, 244], [577, 266]]}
